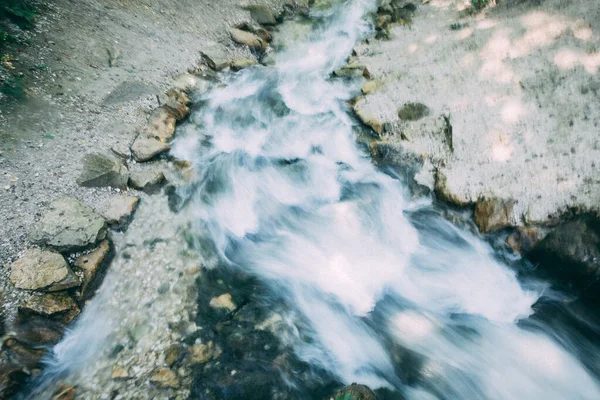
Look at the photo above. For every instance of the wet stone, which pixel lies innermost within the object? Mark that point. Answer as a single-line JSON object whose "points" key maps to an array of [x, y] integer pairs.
{"points": [[165, 378], [91, 265], [174, 355], [355, 392], [262, 14], [119, 373], [60, 306], [492, 215], [246, 38], [223, 302], [64, 392], [145, 148]]}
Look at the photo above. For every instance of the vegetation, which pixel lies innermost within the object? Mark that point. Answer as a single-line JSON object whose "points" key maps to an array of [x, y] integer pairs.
{"points": [[22, 14], [479, 4]]}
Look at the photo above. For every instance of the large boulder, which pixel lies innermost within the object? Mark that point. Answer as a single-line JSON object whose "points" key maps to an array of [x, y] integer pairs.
{"points": [[100, 170], [146, 179], [42, 270], [216, 57], [68, 225], [571, 253]]}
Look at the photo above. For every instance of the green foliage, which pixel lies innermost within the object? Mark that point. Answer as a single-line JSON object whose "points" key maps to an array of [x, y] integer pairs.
{"points": [[13, 86], [479, 4], [21, 12]]}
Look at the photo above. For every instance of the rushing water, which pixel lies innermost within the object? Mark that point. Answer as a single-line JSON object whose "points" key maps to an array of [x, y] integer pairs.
{"points": [[284, 193]]}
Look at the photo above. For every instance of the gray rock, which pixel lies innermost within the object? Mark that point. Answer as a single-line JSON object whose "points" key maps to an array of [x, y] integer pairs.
{"points": [[215, 57], [242, 63], [262, 14], [352, 71], [42, 270], [145, 148], [146, 179], [100, 170], [68, 225], [413, 111], [121, 150], [118, 209], [128, 91], [246, 38]]}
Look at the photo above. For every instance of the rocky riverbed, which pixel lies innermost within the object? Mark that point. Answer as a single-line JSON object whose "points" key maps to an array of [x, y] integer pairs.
{"points": [[92, 190]]}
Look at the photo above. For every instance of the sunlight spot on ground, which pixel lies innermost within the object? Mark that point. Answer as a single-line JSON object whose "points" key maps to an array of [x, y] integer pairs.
{"points": [[568, 59], [582, 32], [413, 47], [431, 39], [464, 33], [513, 111], [542, 29], [486, 24]]}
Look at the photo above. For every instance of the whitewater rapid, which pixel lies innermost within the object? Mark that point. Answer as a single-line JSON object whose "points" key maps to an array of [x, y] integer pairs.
{"points": [[380, 287], [286, 193]]}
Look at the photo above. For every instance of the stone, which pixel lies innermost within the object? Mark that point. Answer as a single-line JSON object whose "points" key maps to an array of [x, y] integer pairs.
{"points": [[36, 330], [121, 150], [13, 377], [100, 170], [165, 378], [352, 71], [68, 225], [224, 301], [59, 306], [355, 392], [413, 111], [443, 192], [117, 210], [246, 38], [571, 253], [119, 373], [372, 86], [242, 63], [64, 392], [145, 148], [216, 57], [91, 265], [174, 355], [42, 270], [262, 14], [161, 124], [368, 118], [523, 239], [146, 179], [23, 355], [493, 215], [202, 353], [129, 91]]}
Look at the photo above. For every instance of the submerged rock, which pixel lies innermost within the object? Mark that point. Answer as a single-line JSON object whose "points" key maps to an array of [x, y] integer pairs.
{"points": [[165, 378], [59, 306], [355, 392], [523, 239], [100, 170], [68, 225], [223, 301], [119, 373], [571, 253], [492, 215], [64, 392], [42, 270]]}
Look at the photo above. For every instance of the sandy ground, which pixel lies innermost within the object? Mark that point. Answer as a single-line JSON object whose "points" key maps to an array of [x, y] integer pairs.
{"points": [[77, 103], [521, 85]]}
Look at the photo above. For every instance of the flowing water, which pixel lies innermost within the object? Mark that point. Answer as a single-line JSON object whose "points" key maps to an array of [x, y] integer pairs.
{"points": [[379, 288]]}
